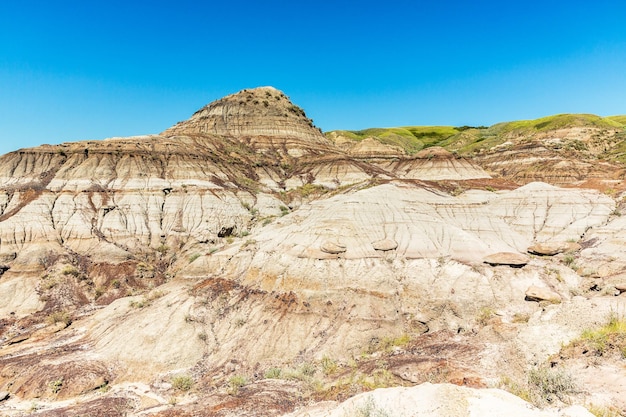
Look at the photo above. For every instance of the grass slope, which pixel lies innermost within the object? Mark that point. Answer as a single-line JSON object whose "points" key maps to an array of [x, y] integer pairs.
{"points": [[410, 138], [466, 139], [618, 119]]}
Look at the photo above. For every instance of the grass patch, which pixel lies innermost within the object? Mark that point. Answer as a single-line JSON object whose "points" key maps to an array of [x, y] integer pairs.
{"points": [[608, 338], [273, 373], [521, 317], [147, 300], [601, 411], [485, 315], [308, 190]]}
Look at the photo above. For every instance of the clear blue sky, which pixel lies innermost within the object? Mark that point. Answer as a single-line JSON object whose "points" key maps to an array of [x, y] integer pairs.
{"points": [[73, 70]]}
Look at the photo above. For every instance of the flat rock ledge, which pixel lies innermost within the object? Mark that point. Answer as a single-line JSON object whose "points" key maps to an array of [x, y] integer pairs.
{"points": [[333, 247], [539, 294], [553, 248], [515, 260], [385, 245]]}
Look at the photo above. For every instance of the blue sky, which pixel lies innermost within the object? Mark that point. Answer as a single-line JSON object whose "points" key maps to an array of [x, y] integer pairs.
{"points": [[74, 70]]}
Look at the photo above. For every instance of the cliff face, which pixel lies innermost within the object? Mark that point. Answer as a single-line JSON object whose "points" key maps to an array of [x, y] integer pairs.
{"points": [[244, 253]]}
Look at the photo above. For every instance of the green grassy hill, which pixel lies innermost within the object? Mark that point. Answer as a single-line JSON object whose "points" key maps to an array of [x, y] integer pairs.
{"points": [[466, 139]]}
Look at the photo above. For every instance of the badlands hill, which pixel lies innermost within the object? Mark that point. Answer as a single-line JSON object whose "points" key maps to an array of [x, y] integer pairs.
{"points": [[243, 263], [566, 149]]}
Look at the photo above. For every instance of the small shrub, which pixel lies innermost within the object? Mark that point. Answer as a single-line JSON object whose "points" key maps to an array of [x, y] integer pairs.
{"points": [[56, 385], [329, 366], [273, 373], [60, 317], [203, 336], [304, 372], [307, 369], [235, 383], [70, 270], [549, 384], [569, 260], [98, 293], [284, 210], [194, 257], [182, 382], [369, 409]]}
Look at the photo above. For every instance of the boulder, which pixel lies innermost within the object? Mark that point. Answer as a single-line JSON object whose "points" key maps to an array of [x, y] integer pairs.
{"points": [[534, 293], [621, 287], [385, 244], [553, 248], [506, 258], [332, 247]]}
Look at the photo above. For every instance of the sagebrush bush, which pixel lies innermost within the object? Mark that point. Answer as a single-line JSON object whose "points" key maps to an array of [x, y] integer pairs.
{"points": [[182, 382]]}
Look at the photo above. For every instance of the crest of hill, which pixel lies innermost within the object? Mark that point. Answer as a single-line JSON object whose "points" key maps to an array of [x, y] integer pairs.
{"points": [[262, 111]]}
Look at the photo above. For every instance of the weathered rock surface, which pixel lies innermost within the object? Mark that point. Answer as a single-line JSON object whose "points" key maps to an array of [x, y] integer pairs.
{"points": [[371, 148], [435, 164]]}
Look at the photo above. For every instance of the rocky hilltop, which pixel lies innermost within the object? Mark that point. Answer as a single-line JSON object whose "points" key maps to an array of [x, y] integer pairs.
{"points": [[263, 111], [243, 263]]}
